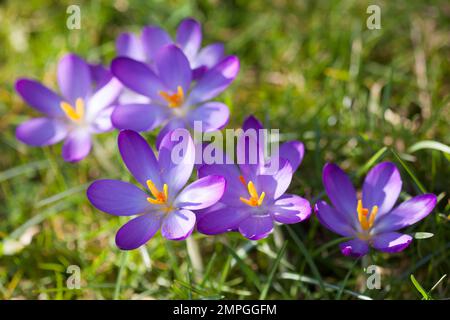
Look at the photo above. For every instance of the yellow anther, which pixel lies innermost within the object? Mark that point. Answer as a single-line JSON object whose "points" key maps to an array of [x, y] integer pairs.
{"points": [[158, 196], [242, 179], [174, 100], [255, 200], [74, 114], [366, 221]]}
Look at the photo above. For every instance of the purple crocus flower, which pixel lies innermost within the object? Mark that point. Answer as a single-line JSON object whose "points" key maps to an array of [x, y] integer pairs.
{"points": [[370, 221], [83, 108], [188, 39], [165, 204], [176, 102], [255, 197]]}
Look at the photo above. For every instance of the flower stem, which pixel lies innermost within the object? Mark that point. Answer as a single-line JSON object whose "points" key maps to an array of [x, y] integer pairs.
{"points": [[123, 259]]}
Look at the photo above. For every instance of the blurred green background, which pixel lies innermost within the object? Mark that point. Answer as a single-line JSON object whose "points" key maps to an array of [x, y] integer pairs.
{"points": [[311, 68]]}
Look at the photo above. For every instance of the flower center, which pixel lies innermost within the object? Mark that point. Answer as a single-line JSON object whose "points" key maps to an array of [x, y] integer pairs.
{"points": [[255, 200], [365, 219], [174, 100], [159, 197], [76, 113]]}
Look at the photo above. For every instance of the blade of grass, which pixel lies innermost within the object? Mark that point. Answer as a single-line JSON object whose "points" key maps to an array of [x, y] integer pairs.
{"points": [[344, 283], [266, 288], [123, 260], [246, 269], [409, 171]]}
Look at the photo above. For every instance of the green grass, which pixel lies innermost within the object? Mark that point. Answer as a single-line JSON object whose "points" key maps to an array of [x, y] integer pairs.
{"points": [[311, 68]]}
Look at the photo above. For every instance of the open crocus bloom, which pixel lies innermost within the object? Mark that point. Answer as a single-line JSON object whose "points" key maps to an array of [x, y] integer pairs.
{"points": [[176, 101], [83, 108], [188, 39], [166, 203], [255, 196], [370, 221]]}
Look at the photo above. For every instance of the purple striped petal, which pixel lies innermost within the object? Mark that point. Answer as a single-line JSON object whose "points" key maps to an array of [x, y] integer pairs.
{"points": [[333, 220], [137, 231], [382, 187], [178, 225], [406, 214], [74, 78], [221, 218], [138, 116], [391, 242], [103, 98], [275, 185], [189, 37], [213, 116], [139, 158], [341, 192], [201, 194], [215, 80], [176, 159], [39, 97], [118, 198], [129, 45], [354, 248], [138, 77], [77, 145], [173, 68], [41, 131], [173, 124], [153, 39], [256, 227], [209, 56], [293, 151], [290, 209], [234, 187]]}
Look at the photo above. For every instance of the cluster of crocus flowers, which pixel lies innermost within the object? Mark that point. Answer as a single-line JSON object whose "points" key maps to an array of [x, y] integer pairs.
{"points": [[175, 99], [170, 83], [255, 197], [84, 107], [371, 220], [166, 202]]}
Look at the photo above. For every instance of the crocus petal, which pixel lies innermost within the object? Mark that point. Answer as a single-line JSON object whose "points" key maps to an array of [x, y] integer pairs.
{"points": [[209, 56], [354, 248], [189, 37], [102, 121], [391, 242], [275, 184], [234, 187], [256, 227], [406, 214], [382, 187], [215, 80], [41, 131], [138, 77], [201, 194], [293, 151], [137, 231], [138, 116], [178, 225], [118, 198], [153, 39], [103, 98], [221, 218], [173, 68], [251, 122], [250, 152], [341, 192], [333, 220], [39, 97], [129, 45], [176, 159], [212, 115], [290, 208], [173, 124], [99, 75], [139, 158], [74, 78], [77, 145]]}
